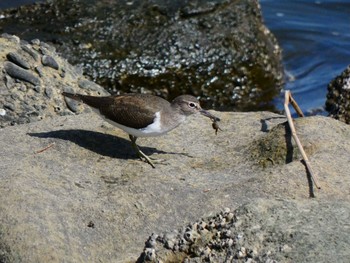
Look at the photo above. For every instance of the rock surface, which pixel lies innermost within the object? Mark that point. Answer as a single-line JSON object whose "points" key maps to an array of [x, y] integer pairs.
{"points": [[219, 50], [32, 77], [264, 231], [88, 199], [72, 190], [338, 97]]}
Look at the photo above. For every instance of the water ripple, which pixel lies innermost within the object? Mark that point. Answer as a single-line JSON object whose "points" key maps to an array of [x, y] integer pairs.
{"points": [[315, 37]]}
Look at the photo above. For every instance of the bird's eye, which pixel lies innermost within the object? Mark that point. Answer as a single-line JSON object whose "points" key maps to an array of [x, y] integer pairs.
{"points": [[192, 105]]}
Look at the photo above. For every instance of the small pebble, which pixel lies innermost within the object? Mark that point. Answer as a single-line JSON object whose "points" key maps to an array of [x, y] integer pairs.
{"points": [[2, 112], [49, 61], [73, 105], [35, 41], [18, 60], [19, 73], [31, 52], [49, 92], [46, 48], [39, 69]]}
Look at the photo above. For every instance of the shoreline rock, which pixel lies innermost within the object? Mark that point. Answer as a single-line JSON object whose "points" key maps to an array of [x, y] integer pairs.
{"points": [[33, 76], [338, 97], [88, 198], [265, 230], [218, 50]]}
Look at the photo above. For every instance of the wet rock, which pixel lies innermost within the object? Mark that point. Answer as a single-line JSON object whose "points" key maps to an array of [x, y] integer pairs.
{"points": [[338, 97], [220, 51]]}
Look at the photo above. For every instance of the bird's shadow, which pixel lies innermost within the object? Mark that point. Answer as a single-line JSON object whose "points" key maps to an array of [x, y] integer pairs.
{"points": [[101, 143]]}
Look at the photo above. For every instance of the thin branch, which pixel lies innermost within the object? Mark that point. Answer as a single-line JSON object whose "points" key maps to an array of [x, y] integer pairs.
{"points": [[47, 147], [295, 105], [288, 98]]}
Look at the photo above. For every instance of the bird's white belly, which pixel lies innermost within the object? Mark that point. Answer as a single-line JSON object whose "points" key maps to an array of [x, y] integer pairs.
{"points": [[154, 129]]}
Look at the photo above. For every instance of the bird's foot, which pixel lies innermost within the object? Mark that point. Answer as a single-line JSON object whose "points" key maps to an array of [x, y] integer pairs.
{"points": [[145, 158], [151, 161]]}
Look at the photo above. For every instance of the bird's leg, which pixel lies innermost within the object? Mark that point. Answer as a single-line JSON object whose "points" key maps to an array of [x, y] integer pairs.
{"points": [[138, 151]]}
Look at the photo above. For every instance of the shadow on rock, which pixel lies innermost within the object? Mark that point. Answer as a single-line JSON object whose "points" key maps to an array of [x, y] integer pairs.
{"points": [[104, 144]]}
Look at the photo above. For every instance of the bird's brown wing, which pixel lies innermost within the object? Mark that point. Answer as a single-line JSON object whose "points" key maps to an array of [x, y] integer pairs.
{"points": [[127, 110]]}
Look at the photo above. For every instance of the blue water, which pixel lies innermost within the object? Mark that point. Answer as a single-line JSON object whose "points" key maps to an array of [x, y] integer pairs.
{"points": [[15, 3], [315, 38]]}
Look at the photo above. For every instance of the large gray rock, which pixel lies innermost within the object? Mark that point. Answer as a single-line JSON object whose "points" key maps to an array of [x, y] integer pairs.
{"points": [[88, 199], [219, 50]]}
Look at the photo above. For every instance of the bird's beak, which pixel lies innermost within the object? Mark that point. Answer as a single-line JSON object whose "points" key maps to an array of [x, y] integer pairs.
{"points": [[209, 115]]}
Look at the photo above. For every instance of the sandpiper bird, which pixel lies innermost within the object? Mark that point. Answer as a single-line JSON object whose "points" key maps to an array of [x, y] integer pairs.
{"points": [[143, 115]]}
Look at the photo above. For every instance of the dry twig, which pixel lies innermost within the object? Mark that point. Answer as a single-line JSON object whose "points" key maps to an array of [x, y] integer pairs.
{"points": [[288, 98], [44, 149]]}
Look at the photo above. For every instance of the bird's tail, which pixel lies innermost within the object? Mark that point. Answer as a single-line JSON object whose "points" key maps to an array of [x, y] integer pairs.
{"points": [[92, 101]]}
